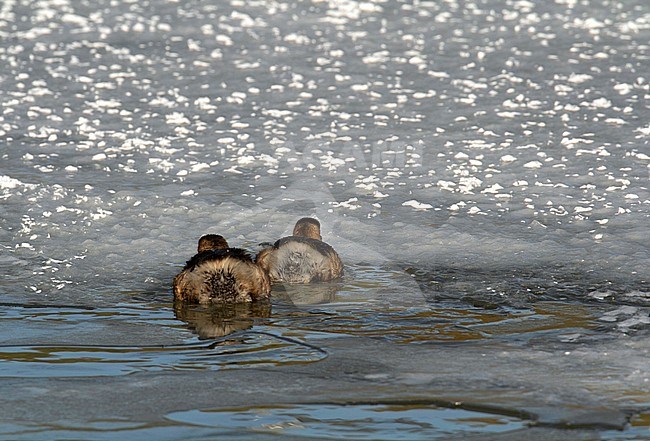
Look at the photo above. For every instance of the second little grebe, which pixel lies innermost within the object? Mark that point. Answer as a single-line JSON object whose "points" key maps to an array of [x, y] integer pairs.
{"points": [[220, 274], [301, 258]]}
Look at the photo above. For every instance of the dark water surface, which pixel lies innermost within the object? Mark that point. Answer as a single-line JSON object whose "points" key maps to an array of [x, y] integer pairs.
{"points": [[357, 359]]}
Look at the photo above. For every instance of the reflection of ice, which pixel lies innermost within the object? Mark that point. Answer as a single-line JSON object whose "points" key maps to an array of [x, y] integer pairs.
{"points": [[212, 321]]}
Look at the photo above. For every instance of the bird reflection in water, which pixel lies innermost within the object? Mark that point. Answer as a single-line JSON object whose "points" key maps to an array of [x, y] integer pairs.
{"points": [[313, 294], [218, 320], [215, 320]]}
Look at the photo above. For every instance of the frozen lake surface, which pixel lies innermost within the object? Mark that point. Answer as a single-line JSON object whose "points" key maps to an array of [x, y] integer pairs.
{"points": [[482, 168]]}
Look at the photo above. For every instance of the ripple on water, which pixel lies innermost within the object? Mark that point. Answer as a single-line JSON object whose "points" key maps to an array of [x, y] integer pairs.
{"points": [[239, 351], [444, 323], [371, 421], [457, 306], [81, 351]]}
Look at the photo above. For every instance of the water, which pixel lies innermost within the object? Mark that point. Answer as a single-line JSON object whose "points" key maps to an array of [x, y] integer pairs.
{"points": [[354, 422], [481, 167]]}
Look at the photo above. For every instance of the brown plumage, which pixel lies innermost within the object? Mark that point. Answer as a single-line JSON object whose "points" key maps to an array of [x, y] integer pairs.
{"points": [[220, 274], [301, 258], [212, 242]]}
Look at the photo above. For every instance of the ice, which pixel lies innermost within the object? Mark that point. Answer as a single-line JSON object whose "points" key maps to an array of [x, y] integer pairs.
{"points": [[417, 205]]}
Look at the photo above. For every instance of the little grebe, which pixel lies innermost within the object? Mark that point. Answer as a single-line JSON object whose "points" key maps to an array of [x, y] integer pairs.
{"points": [[301, 258], [220, 274]]}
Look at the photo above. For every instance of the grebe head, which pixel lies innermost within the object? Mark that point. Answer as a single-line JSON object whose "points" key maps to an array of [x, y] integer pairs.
{"points": [[307, 227], [212, 242]]}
